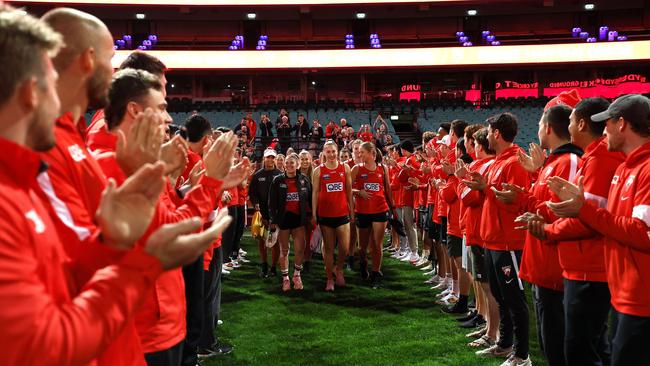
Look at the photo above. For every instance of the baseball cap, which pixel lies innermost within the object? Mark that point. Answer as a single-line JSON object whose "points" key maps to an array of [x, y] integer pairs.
{"points": [[445, 140], [270, 152], [569, 98], [634, 108]]}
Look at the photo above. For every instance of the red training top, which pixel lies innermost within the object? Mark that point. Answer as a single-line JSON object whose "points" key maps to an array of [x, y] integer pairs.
{"points": [[372, 181], [332, 200]]}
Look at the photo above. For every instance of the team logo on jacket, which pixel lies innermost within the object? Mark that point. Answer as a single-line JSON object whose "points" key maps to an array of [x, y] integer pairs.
{"points": [[76, 153], [364, 176], [292, 197], [39, 226], [507, 270], [326, 177], [261, 179], [334, 187], [372, 187], [615, 179]]}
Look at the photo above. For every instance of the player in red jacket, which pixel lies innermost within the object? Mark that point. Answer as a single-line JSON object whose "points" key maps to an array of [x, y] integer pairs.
{"points": [[540, 264], [473, 200], [502, 241], [581, 253], [410, 171], [625, 224], [97, 136], [333, 210], [76, 321]]}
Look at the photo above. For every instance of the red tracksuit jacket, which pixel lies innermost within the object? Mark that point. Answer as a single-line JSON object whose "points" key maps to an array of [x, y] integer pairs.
{"points": [[497, 220], [160, 321], [41, 310], [473, 200], [73, 185], [448, 194], [626, 227], [97, 136], [581, 250], [540, 264]]}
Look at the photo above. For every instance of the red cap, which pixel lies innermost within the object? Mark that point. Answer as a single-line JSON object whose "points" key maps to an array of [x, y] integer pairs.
{"points": [[569, 98]]}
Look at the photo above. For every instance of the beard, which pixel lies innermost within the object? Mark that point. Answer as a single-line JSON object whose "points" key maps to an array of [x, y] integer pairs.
{"points": [[41, 130], [98, 90]]}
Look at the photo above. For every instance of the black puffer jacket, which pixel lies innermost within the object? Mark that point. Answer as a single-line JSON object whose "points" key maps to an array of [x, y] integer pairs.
{"points": [[278, 197]]}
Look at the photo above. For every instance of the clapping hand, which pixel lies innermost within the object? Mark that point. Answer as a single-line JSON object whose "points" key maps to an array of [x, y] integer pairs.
{"points": [[509, 193], [535, 160], [573, 197]]}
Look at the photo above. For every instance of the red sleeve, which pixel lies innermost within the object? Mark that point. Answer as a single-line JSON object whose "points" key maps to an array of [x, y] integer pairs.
{"points": [[597, 180], [470, 197], [515, 174], [633, 231], [200, 201], [448, 191], [70, 332]]}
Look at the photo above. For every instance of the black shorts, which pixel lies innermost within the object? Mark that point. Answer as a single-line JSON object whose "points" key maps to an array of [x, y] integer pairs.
{"points": [[454, 246], [478, 264], [290, 221], [431, 226], [365, 220], [442, 233], [333, 222]]}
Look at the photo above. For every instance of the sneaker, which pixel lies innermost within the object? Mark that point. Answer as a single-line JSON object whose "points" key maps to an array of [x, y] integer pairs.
{"points": [[414, 258], [495, 351], [219, 322], [242, 259], [477, 321], [435, 280], [477, 333], [264, 272], [427, 268], [363, 269], [215, 350], [286, 284], [376, 280], [297, 282], [330, 285], [516, 361], [340, 278], [444, 293], [442, 285], [235, 264], [273, 272], [422, 263], [229, 266], [398, 254], [432, 272], [448, 300], [483, 342], [225, 272], [470, 315], [406, 257], [456, 309], [350, 264], [242, 252]]}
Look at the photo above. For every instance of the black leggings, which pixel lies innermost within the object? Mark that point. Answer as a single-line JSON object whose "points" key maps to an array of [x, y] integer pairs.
{"points": [[229, 235], [239, 231]]}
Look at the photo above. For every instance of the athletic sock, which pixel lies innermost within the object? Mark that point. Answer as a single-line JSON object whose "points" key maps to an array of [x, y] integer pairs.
{"points": [[296, 270]]}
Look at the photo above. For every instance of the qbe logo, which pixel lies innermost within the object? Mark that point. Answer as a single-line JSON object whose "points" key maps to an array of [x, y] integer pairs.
{"points": [[334, 187], [292, 197], [372, 187]]}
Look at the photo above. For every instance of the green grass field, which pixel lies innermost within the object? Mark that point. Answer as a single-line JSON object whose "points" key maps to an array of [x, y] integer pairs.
{"points": [[396, 325]]}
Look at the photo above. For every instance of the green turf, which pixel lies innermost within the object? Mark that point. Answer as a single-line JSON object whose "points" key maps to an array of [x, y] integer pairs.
{"points": [[396, 325]]}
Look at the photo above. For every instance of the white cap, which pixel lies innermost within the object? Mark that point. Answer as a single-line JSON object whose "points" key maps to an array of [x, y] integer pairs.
{"points": [[270, 152], [446, 140]]}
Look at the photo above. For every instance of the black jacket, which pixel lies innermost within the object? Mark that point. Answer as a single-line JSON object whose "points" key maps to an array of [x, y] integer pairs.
{"points": [[259, 189], [302, 130], [266, 129], [278, 197], [316, 133]]}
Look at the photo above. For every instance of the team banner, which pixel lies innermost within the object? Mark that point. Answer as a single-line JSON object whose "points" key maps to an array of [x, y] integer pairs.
{"points": [[599, 87]]}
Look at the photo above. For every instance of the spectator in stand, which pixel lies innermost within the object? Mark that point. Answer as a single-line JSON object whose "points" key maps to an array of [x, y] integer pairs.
{"points": [[316, 135], [302, 132], [380, 127], [344, 124], [364, 133], [283, 113], [331, 130], [266, 130], [252, 125], [284, 134]]}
